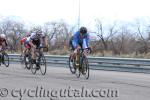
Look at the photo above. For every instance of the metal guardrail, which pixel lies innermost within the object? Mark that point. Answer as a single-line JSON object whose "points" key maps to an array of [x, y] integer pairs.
{"points": [[98, 63]]}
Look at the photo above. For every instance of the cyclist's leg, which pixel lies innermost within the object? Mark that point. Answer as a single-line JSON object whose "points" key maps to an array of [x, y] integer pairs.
{"points": [[76, 54], [0, 59], [39, 54], [23, 51], [0, 54], [72, 50], [26, 52], [1, 48], [72, 55], [33, 57], [3, 51], [25, 47], [84, 46]]}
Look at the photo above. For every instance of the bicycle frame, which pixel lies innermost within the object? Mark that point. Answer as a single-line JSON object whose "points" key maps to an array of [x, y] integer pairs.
{"points": [[80, 55]]}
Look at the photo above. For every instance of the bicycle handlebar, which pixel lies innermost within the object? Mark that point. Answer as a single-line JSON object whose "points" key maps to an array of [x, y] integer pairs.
{"points": [[89, 49]]}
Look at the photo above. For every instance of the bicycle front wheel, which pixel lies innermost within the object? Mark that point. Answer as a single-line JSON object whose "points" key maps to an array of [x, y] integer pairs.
{"points": [[5, 59], [43, 66], [27, 60], [85, 67]]}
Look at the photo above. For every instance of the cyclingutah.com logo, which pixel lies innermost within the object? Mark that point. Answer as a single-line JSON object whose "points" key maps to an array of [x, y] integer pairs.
{"points": [[57, 94], [3, 92]]}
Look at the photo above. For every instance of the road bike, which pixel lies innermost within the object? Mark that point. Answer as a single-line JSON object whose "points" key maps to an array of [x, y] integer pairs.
{"points": [[79, 64], [39, 63]]}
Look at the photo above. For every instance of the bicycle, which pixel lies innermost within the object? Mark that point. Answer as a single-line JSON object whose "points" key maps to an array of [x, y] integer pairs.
{"points": [[40, 63], [79, 64], [4, 58]]}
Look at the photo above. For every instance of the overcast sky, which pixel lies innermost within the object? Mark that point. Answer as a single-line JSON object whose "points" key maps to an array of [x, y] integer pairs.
{"points": [[40, 11]]}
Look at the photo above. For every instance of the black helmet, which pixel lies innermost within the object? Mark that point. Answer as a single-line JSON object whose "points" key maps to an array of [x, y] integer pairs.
{"points": [[38, 31], [83, 30]]}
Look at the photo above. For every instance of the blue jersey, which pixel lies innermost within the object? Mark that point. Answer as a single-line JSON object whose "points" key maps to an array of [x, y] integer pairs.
{"points": [[80, 40]]}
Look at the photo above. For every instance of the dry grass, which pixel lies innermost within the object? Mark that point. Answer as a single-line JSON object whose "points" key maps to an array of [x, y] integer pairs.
{"points": [[131, 55], [59, 52], [98, 54]]}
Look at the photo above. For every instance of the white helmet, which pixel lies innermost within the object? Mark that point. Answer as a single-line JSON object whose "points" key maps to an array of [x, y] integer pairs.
{"points": [[3, 36]]}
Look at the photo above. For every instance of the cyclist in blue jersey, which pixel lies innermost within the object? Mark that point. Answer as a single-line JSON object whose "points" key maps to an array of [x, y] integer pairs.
{"points": [[79, 40]]}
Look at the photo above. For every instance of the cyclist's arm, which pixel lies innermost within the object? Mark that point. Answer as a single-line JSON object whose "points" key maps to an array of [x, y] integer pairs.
{"points": [[43, 41], [75, 40], [85, 43], [30, 42], [31, 39]]}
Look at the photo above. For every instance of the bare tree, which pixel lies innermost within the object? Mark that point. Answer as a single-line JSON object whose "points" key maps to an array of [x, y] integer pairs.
{"points": [[142, 37], [12, 29], [57, 33], [125, 41], [105, 35]]}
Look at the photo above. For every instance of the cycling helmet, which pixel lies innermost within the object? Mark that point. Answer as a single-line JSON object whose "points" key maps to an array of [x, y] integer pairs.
{"points": [[3, 36], [38, 32], [83, 30]]}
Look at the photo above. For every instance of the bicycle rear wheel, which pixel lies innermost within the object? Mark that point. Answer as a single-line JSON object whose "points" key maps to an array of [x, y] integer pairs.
{"points": [[43, 65], [21, 59], [27, 59], [22, 62], [5, 59], [72, 65], [85, 67]]}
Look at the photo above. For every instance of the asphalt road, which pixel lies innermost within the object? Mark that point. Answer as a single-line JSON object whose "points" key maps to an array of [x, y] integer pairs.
{"points": [[17, 83]]}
